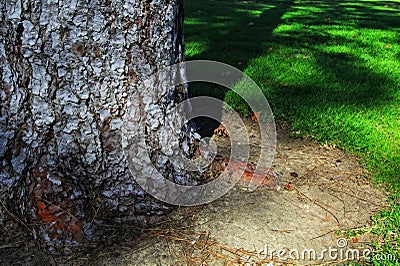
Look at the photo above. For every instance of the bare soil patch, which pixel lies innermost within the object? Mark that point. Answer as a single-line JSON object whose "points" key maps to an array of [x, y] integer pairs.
{"points": [[323, 191]]}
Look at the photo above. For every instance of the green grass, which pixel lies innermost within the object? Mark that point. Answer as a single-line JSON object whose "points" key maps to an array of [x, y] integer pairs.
{"points": [[329, 68]]}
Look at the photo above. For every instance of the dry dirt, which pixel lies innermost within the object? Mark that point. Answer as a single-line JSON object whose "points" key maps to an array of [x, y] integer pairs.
{"points": [[324, 191]]}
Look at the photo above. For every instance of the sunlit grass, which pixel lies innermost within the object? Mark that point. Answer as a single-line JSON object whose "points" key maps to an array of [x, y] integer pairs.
{"points": [[195, 48]]}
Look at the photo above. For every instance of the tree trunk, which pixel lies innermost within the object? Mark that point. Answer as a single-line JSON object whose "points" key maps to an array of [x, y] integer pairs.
{"points": [[67, 71]]}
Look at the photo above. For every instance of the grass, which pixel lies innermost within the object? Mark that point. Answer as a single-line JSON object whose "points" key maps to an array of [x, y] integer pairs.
{"points": [[329, 68]]}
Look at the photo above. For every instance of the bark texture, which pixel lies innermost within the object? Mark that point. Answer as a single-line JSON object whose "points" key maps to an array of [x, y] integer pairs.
{"points": [[67, 69]]}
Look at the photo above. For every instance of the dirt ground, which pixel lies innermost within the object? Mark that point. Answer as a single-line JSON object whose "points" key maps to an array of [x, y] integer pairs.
{"points": [[323, 191]]}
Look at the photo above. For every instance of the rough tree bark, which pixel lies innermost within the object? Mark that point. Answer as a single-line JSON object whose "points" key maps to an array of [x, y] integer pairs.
{"points": [[67, 69]]}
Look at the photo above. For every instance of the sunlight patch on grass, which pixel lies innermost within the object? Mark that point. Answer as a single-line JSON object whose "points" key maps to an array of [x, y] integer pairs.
{"points": [[285, 28], [194, 21], [195, 48], [255, 13]]}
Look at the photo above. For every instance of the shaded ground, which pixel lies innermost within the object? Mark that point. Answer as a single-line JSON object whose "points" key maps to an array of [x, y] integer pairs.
{"points": [[323, 190]]}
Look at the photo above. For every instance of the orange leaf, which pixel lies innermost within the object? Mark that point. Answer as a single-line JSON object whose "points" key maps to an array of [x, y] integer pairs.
{"points": [[256, 116], [289, 187], [327, 219]]}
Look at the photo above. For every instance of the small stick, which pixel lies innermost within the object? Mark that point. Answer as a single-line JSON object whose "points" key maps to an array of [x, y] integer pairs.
{"points": [[318, 204], [16, 218], [48, 202], [13, 245]]}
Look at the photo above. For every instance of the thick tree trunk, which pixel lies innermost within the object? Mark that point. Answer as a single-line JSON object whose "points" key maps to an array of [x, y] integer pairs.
{"points": [[67, 71]]}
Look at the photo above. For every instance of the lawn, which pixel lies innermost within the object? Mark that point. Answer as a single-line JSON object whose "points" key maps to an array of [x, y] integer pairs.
{"points": [[331, 69]]}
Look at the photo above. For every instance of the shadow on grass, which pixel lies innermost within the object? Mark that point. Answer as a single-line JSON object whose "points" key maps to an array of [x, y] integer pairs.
{"points": [[336, 79], [236, 32], [360, 14], [232, 32], [327, 53]]}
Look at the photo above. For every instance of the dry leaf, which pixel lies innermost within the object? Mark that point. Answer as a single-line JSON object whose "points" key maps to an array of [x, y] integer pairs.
{"points": [[289, 187], [256, 116], [327, 219], [294, 174], [221, 131]]}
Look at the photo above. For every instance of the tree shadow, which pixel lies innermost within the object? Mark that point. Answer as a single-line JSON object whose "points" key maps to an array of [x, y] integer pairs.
{"points": [[228, 31], [359, 14], [245, 34], [236, 32], [348, 78]]}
